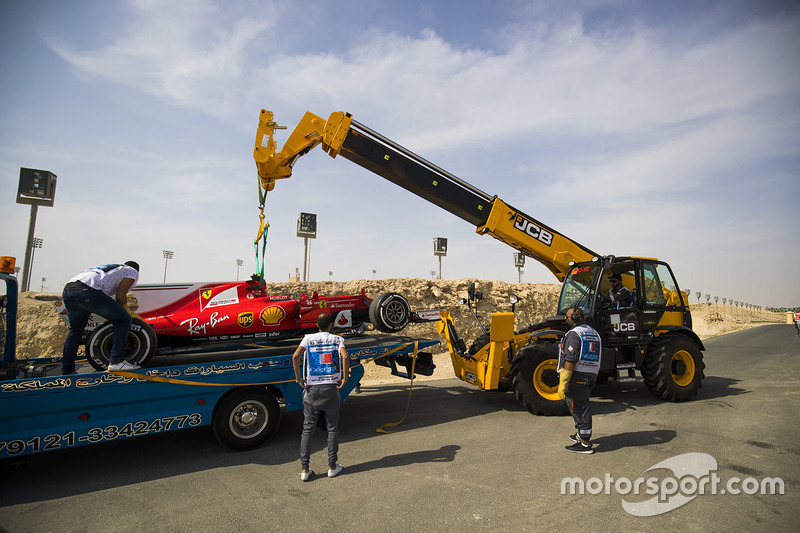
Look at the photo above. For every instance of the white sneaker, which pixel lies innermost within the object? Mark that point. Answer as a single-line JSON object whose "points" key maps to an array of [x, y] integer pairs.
{"points": [[122, 367], [333, 472], [305, 476]]}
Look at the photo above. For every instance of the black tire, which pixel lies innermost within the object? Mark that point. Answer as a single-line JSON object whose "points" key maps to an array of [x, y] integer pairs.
{"points": [[246, 419], [536, 381], [140, 348], [389, 312], [673, 368]]}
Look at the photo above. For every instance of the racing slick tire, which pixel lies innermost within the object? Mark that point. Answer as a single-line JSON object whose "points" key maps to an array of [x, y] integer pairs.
{"points": [[389, 312], [246, 419], [139, 349], [535, 381], [673, 368]]}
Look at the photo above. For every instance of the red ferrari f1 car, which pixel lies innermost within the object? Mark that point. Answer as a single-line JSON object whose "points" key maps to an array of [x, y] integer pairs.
{"points": [[216, 316]]}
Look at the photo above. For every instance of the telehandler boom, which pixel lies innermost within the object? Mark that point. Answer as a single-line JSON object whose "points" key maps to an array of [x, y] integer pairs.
{"points": [[651, 332]]}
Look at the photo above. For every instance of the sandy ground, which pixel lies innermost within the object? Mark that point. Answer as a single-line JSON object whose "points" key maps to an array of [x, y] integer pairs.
{"points": [[41, 332]]}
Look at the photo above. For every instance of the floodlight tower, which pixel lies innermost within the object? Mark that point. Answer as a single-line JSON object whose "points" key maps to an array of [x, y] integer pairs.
{"points": [[440, 250], [519, 262], [306, 228], [167, 256]]}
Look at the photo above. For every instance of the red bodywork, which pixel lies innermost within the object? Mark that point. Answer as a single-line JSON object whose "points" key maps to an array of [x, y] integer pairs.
{"points": [[236, 312]]}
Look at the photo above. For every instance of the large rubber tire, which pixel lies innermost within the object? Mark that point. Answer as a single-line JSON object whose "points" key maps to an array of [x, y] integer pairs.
{"points": [[246, 419], [389, 312], [673, 368], [536, 382], [140, 348]]}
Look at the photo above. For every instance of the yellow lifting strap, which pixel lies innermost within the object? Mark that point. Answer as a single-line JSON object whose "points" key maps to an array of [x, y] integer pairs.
{"points": [[161, 379], [383, 429], [145, 377], [263, 225]]}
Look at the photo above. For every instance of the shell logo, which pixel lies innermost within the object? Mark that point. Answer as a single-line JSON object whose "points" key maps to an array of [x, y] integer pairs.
{"points": [[272, 315]]}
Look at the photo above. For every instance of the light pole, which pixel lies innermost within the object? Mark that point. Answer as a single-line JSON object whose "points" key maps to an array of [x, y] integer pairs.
{"points": [[36, 243], [167, 256], [723, 305], [440, 250], [306, 228], [36, 187], [698, 294], [239, 263], [716, 304], [42, 287], [330, 275], [519, 262], [373, 273]]}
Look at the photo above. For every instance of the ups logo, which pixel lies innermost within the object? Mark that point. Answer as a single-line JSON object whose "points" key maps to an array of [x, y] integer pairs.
{"points": [[246, 320]]}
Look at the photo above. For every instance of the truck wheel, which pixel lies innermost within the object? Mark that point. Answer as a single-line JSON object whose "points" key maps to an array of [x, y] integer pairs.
{"points": [[246, 419], [673, 368], [389, 312], [139, 349], [536, 382]]}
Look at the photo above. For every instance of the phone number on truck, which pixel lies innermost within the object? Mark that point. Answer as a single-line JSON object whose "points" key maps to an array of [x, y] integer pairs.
{"points": [[94, 435]]}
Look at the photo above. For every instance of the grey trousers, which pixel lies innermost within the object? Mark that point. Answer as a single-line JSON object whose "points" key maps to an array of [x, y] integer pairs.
{"points": [[578, 390], [320, 399]]}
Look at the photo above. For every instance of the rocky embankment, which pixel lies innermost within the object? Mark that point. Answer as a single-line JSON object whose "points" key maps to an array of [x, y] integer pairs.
{"points": [[41, 332]]}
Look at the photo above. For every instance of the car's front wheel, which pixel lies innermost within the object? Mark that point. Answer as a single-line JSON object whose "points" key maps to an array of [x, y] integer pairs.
{"points": [[389, 312]]}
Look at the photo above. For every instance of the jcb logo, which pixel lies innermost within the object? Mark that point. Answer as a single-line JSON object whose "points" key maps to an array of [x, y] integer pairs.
{"points": [[529, 228], [625, 326], [246, 320]]}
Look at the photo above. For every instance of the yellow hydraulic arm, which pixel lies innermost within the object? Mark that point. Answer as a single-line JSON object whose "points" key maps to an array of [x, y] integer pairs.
{"points": [[342, 135]]}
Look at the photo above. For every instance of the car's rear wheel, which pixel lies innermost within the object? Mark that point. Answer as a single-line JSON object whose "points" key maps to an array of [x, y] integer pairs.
{"points": [[139, 348]]}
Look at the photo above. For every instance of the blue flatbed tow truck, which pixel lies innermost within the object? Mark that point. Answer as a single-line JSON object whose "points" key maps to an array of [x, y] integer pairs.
{"points": [[240, 394]]}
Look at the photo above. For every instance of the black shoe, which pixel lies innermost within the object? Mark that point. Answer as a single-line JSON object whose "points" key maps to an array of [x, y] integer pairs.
{"points": [[574, 437], [579, 447]]}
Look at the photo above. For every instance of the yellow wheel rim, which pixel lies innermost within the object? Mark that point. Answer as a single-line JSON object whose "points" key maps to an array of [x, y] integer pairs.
{"points": [[682, 368], [546, 391]]}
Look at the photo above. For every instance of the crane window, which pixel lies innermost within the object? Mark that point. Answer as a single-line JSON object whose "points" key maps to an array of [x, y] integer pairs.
{"points": [[579, 288], [660, 287]]}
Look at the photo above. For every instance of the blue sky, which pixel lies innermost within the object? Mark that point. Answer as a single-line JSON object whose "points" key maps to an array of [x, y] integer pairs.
{"points": [[658, 129]]}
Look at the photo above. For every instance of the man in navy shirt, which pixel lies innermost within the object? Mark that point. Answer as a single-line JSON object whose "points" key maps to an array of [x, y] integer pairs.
{"points": [[578, 363]]}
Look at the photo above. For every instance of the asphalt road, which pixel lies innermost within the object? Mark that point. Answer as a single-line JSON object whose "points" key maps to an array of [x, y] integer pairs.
{"points": [[464, 459]]}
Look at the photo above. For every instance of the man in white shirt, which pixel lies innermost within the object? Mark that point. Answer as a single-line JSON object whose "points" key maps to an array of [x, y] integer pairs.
{"points": [[325, 369], [102, 290]]}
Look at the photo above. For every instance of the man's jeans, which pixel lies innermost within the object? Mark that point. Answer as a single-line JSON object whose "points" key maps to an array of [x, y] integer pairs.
{"points": [[320, 399], [578, 389], [80, 304]]}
